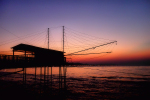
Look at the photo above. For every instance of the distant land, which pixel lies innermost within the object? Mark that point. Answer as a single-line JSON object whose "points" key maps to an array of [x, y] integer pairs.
{"points": [[143, 62]]}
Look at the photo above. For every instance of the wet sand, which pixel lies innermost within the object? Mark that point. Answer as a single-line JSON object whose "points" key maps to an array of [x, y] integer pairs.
{"points": [[79, 89], [17, 91]]}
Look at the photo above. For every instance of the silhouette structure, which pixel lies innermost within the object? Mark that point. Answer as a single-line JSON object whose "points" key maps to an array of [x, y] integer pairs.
{"points": [[33, 56], [41, 57]]}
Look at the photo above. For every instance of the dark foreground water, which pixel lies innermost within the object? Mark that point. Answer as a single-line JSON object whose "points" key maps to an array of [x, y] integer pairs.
{"points": [[87, 82]]}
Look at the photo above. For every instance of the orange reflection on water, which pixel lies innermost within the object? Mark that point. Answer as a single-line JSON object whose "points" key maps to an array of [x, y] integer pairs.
{"points": [[97, 72]]}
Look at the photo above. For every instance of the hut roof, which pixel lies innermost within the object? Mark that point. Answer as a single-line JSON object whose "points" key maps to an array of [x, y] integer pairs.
{"points": [[30, 48]]}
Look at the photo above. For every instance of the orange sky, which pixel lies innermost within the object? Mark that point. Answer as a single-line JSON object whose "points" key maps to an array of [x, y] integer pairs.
{"points": [[115, 56]]}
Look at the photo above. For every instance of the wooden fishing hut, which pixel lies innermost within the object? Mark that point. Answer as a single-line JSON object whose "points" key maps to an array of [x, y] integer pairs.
{"points": [[38, 56]]}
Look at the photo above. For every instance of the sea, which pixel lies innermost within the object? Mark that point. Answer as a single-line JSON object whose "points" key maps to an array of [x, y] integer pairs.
{"points": [[83, 82]]}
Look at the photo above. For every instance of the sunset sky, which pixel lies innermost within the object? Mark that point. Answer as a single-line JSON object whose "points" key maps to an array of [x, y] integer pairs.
{"points": [[96, 21]]}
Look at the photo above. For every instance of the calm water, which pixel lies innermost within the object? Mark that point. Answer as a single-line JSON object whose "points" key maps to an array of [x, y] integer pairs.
{"points": [[120, 73], [94, 82]]}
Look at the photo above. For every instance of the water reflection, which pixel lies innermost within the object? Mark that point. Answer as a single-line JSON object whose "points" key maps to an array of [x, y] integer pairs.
{"points": [[117, 73], [43, 79], [86, 82]]}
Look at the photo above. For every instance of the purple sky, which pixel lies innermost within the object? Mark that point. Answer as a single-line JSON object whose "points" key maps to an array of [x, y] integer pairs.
{"points": [[127, 21]]}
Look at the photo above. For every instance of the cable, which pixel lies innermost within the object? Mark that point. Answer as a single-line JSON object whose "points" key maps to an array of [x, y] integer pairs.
{"points": [[11, 33], [93, 47], [19, 39], [87, 34]]}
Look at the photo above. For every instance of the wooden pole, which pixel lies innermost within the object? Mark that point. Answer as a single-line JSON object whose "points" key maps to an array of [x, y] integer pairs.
{"points": [[23, 74], [40, 80], [63, 39], [59, 77], [47, 74], [44, 76], [25, 68], [51, 77], [48, 38], [13, 55], [35, 74]]}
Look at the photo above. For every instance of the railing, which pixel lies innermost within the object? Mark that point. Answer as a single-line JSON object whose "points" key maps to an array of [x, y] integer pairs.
{"points": [[16, 60]]}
